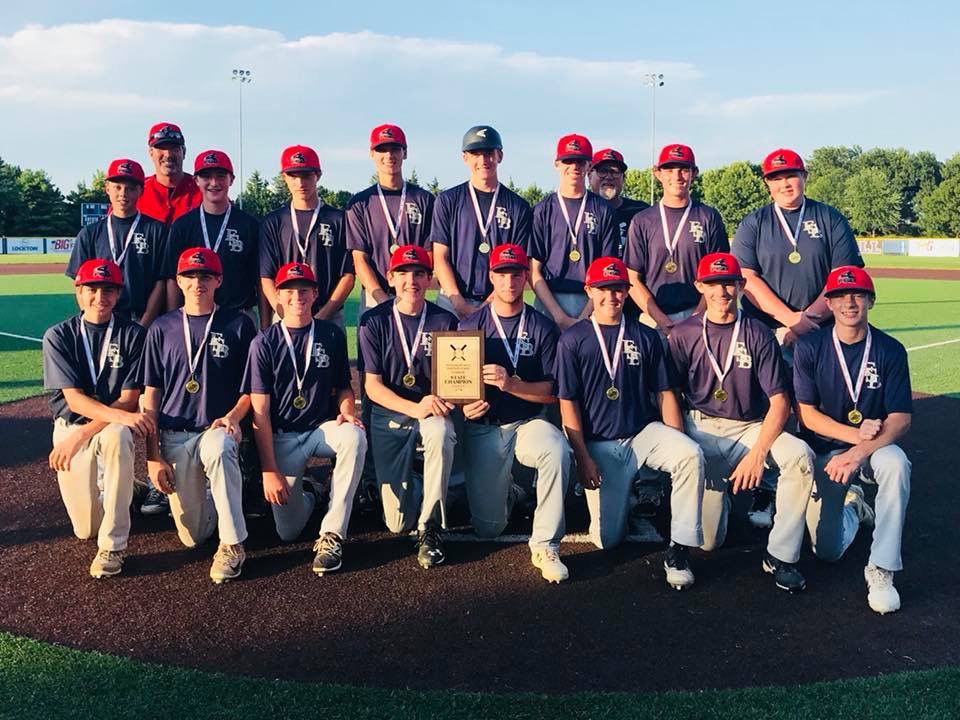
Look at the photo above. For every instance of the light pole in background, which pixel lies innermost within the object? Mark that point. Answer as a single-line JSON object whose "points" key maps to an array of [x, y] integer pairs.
{"points": [[242, 76], [653, 81]]}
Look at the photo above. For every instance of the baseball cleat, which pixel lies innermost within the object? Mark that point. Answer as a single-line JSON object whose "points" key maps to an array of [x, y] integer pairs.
{"points": [[676, 562], [858, 502], [156, 503], [227, 563], [785, 574], [550, 565], [882, 596], [430, 547], [329, 549], [106, 563]]}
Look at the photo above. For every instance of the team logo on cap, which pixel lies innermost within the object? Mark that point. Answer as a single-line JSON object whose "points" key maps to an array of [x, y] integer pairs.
{"points": [[411, 255], [609, 155], [387, 133], [778, 161], [719, 266], [677, 153], [295, 271], [198, 259], [101, 271], [508, 254], [125, 168], [482, 132], [611, 271], [211, 159], [573, 146], [298, 158], [846, 278]]}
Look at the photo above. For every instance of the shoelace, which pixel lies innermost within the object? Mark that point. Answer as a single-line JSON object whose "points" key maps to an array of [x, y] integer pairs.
{"points": [[881, 577], [551, 555], [328, 544], [677, 557], [228, 553], [431, 538], [110, 554]]}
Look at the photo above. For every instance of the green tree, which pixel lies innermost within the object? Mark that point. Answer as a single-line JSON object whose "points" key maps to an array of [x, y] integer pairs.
{"points": [[828, 186], [735, 191], [940, 207], [42, 207], [92, 193], [9, 197], [839, 157], [336, 198], [902, 174], [413, 179], [434, 186], [532, 194], [636, 185], [257, 195], [872, 202], [279, 193], [951, 168]]}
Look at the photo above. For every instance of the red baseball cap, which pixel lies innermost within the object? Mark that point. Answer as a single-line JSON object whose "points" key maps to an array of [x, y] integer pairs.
{"points": [[574, 147], [165, 134], [212, 160], [387, 135], [507, 257], [676, 154], [782, 160], [609, 155], [199, 259], [125, 169], [605, 271], [848, 278], [99, 272], [410, 255], [719, 267], [294, 272], [299, 158]]}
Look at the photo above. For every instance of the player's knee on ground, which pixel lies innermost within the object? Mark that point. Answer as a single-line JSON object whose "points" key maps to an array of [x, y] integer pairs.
{"points": [[488, 529]]}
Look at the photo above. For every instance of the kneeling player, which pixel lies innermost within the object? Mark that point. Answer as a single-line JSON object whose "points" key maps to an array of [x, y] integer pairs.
{"points": [[853, 393], [396, 343], [519, 348], [609, 370], [732, 419], [303, 413], [193, 366], [92, 362]]}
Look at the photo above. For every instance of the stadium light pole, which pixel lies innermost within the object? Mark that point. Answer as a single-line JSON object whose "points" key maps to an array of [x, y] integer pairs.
{"points": [[653, 81], [242, 76]]}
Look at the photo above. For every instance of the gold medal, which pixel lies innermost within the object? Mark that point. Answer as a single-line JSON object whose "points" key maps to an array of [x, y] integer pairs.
{"points": [[720, 394], [575, 255], [409, 380], [394, 248], [855, 416], [484, 247], [613, 393], [299, 402], [192, 386], [794, 257], [670, 266]]}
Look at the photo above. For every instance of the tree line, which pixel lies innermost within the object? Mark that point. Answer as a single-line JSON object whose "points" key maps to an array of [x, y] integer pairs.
{"points": [[882, 191]]}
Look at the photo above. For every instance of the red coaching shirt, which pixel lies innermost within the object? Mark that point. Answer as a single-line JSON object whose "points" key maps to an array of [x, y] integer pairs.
{"points": [[158, 202]]}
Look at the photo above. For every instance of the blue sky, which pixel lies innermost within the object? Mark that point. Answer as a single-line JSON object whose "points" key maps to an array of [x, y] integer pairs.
{"points": [[80, 83]]}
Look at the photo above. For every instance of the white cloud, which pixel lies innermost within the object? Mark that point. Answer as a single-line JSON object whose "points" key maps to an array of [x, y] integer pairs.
{"points": [[787, 102]]}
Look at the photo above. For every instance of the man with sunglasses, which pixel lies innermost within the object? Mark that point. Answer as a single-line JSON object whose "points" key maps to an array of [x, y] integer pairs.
{"points": [[607, 176], [170, 192]]}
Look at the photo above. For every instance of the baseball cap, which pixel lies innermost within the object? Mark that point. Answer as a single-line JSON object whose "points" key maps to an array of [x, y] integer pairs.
{"points": [[481, 137], [718, 267], [574, 147], [299, 158], [782, 160], [387, 135], [606, 271], [609, 155], [199, 259], [165, 134], [848, 278], [99, 272], [294, 272], [676, 154], [212, 160], [507, 257], [410, 255], [125, 169]]}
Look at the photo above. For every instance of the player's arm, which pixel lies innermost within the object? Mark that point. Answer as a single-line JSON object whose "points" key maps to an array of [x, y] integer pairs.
{"points": [[670, 409], [645, 301], [275, 488], [159, 470], [539, 284], [231, 421], [338, 297], [587, 310], [760, 294], [155, 303], [347, 406], [749, 470], [384, 396], [573, 427], [841, 468], [540, 391], [448, 281], [368, 278]]}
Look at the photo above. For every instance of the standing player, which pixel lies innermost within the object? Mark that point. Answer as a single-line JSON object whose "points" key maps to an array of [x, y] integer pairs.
{"points": [[736, 387], [519, 348], [665, 243], [606, 179], [396, 342], [614, 390], [170, 192], [92, 363], [303, 413], [135, 242], [853, 393], [787, 249], [571, 228], [308, 232], [471, 219], [193, 367]]}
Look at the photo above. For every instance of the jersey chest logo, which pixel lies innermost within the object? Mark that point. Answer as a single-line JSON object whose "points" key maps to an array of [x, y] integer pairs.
{"points": [[234, 243], [218, 346], [325, 234], [503, 218], [623, 233], [113, 355], [742, 356], [320, 357], [871, 376], [811, 228], [414, 216], [527, 347], [696, 231], [590, 220], [140, 244], [631, 353]]}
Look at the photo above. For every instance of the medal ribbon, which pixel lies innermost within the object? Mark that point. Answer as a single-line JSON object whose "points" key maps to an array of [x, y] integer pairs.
{"points": [[193, 360], [293, 356], [296, 230], [407, 355], [574, 230], [514, 354], [672, 244], [96, 372], [126, 244], [223, 228], [611, 367], [484, 226], [791, 236], [853, 391], [394, 228], [728, 362]]}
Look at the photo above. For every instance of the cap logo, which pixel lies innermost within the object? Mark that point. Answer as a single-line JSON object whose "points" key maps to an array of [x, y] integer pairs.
{"points": [[411, 255], [719, 266], [298, 158], [678, 153], [101, 271], [198, 258], [611, 271], [295, 271], [778, 161], [846, 278], [508, 254], [482, 132], [386, 133], [573, 146], [608, 155], [211, 159], [125, 168]]}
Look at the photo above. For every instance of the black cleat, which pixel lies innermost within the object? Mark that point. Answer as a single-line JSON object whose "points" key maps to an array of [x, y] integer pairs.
{"points": [[430, 547], [785, 574], [329, 549]]}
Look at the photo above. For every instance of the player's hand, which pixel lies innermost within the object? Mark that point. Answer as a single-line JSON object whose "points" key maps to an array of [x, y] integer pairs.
{"points": [[432, 405], [461, 307], [475, 410], [589, 473], [161, 475], [350, 419], [496, 375], [63, 451], [565, 322], [841, 468], [141, 423], [747, 474], [869, 429], [275, 488], [230, 426]]}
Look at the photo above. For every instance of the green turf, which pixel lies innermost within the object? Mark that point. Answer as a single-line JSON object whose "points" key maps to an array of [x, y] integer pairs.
{"points": [[902, 261], [33, 258]]}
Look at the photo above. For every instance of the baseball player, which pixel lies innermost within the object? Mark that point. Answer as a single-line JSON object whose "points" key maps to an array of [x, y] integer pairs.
{"points": [[666, 242], [606, 177], [519, 351], [92, 363], [298, 377], [787, 249], [396, 342], [224, 228], [471, 219], [170, 192], [193, 367], [852, 386], [572, 227], [135, 242], [619, 414], [736, 388], [310, 232]]}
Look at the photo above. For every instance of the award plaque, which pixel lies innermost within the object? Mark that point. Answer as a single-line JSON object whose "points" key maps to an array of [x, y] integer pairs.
{"points": [[457, 366]]}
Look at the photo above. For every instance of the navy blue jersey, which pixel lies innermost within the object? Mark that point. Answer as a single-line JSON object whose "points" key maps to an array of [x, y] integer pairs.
{"points": [[583, 378], [538, 351], [622, 217], [551, 243], [647, 253], [369, 231], [143, 265], [818, 380], [219, 372], [65, 362], [238, 251], [383, 354], [825, 242], [455, 225], [270, 372], [757, 373], [327, 252]]}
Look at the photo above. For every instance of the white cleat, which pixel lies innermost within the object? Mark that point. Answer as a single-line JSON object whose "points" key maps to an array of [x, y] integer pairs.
{"points": [[858, 502], [882, 596], [676, 563], [550, 565]]}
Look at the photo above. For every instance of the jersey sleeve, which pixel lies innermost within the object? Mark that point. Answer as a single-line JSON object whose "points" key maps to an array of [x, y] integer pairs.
{"points": [[569, 382], [658, 378], [609, 234], [678, 361], [843, 245], [59, 371], [539, 233], [346, 264], [153, 375], [744, 247], [635, 251], [804, 374], [770, 367], [80, 252], [371, 345], [356, 227], [258, 373], [717, 241], [548, 354], [134, 377], [523, 230], [897, 393], [174, 246], [428, 205], [343, 380], [269, 252], [440, 222]]}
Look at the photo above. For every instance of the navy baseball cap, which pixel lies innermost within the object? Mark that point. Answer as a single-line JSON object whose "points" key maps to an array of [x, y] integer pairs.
{"points": [[481, 137]]}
